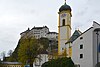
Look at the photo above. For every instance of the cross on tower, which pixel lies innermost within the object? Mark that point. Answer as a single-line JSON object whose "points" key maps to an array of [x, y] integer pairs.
{"points": [[65, 0]]}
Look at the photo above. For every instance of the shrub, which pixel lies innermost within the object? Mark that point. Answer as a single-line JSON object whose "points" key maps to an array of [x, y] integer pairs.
{"points": [[60, 62]]}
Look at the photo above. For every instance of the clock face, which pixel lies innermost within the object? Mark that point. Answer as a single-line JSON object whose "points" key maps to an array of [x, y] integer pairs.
{"points": [[63, 15]]}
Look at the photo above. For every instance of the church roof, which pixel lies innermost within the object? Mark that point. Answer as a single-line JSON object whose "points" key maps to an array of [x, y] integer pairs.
{"points": [[75, 35], [39, 27], [64, 7]]}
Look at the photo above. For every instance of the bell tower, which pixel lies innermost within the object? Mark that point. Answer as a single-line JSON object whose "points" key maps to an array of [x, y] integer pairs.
{"points": [[64, 27]]}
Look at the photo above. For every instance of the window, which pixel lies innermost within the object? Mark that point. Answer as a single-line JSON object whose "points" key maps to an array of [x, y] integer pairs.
{"points": [[57, 37], [45, 31], [63, 22], [62, 48], [81, 56], [81, 38], [81, 46], [38, 36]]}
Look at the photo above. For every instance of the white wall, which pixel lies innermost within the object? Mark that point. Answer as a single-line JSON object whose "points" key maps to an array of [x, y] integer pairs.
{"points": [[39, 62], [89, 50], [87, 60], [52, 36], [38, 33], [96, 26]]}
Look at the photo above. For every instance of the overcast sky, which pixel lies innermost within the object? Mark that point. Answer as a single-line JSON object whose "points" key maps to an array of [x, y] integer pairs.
{"points": [[17, 15]]}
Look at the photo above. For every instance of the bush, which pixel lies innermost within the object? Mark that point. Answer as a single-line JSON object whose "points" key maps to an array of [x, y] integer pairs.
{"points": [[60, 62]]}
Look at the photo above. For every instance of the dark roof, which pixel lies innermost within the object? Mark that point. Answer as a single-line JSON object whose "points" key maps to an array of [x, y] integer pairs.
{"points": [[28, 30], [75, 35], [52, 33], [87, 30], [11, 63], [64, 7], [90, 27], [39, 27], [70, 40]]}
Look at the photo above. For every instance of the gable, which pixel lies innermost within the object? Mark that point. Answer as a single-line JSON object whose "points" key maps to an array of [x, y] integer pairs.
{"points": [[95, 24], [75, 35]]}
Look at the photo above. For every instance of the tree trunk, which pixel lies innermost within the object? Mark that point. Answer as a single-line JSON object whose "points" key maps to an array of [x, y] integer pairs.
{"points": [[31, 65]]}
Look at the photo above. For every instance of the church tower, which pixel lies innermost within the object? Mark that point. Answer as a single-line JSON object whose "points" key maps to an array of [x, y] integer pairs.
{"points": [[64, 27]]}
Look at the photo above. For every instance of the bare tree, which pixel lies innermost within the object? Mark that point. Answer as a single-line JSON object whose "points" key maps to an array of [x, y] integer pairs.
{"points": [[10, 52], [3, 54]]}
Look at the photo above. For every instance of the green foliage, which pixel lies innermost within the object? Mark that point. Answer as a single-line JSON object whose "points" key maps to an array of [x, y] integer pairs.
{"points": [[0, 61], [44, 42], [28, 50], [53, 44], [14, 56], [60, 62]]}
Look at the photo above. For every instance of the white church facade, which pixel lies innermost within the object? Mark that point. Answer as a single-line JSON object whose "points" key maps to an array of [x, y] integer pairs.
{"points": [[86, 47], [83, 48]]}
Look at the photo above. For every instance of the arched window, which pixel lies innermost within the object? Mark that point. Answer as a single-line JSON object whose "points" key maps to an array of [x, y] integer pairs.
{"points": [[63, 22]]}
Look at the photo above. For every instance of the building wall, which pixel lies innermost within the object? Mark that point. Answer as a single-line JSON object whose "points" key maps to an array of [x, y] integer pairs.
{"points": [[10, 65], [87, 41], [64, 30], [63, 38], [95, 40], [38, 33], [42, 58], [52, 36]]}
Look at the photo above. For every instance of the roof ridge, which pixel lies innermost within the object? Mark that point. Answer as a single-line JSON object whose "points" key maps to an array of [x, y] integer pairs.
{"points": [[96, 23]]}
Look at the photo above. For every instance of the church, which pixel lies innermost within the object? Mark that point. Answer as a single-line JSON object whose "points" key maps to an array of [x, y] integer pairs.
{"points": [[82, 47]]}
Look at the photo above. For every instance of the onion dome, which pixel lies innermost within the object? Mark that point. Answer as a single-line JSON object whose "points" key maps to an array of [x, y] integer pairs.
{"points": [[64, 7]]}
